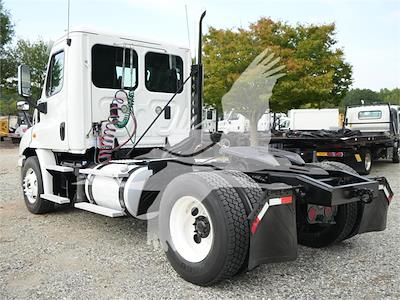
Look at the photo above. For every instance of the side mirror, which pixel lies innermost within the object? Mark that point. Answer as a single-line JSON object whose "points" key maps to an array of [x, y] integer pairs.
{"points": [[22, 105], [24, 81]]}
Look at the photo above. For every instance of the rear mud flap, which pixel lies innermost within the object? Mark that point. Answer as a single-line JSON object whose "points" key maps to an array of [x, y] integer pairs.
{"points": [[273, 230], [375, 213]]}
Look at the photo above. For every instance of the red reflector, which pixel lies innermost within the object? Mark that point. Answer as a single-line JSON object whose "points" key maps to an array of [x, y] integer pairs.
{"points": [[312, 213], [286, 200], [335, 154], [255, 225], [390, 198]]}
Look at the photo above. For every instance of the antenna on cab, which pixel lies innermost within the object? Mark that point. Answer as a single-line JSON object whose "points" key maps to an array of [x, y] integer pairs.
{"points": [[68, 38], [187, 26]]}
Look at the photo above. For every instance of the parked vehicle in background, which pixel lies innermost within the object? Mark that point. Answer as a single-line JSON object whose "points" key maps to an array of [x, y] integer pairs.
{"points": [[369, 133], [13, 127], [314, 119], [234, 122]]}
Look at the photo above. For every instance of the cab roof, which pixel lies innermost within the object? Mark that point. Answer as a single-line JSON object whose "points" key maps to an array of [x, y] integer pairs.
{"points": [[87, 30]]}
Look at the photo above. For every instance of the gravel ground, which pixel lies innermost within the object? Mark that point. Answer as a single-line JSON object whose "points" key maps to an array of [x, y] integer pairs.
{"points": [[74, 254]]}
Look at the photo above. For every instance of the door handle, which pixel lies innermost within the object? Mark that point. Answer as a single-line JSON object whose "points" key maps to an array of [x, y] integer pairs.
{"points": [[62, 131]]}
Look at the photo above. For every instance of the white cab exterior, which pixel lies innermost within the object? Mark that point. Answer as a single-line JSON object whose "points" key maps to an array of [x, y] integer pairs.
{"points": [[80, 103]]}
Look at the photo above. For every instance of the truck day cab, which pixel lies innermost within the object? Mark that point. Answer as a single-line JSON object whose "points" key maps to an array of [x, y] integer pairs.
{"points": [[117, 132]]}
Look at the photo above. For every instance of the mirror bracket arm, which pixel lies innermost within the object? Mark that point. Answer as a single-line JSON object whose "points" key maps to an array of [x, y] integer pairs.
{"points": [[42, 107]]}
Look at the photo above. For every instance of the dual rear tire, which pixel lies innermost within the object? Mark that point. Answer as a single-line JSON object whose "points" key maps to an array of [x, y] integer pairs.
{"points": [[344, 225], [203, 224]]}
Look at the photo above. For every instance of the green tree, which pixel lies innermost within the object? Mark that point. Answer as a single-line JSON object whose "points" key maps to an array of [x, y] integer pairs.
{"points": [[6, 27], [354, 97], [390, 96], [6, 35], [316, 73], [33, 54]]}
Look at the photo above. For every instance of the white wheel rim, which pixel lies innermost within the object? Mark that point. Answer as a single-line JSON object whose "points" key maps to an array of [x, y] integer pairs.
{"points": [[182, 229], [367, 161], [225, 143], [30, 185]]}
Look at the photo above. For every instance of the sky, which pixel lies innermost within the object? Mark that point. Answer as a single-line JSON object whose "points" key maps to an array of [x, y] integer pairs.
{"points": [[367, 30]]}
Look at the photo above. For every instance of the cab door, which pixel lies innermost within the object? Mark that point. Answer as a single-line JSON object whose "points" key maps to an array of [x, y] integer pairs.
{"points": [[50, 131]]}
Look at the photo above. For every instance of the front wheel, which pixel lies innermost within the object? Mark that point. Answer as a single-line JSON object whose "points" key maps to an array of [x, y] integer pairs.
{"points": [[32, 187], [203, 227]]}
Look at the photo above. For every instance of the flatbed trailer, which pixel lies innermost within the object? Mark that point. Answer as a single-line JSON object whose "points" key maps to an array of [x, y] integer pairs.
{"points": [[355, 149]]}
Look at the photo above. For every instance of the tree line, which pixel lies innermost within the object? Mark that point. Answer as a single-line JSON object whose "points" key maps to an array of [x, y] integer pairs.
{"points": [[14, 53]]}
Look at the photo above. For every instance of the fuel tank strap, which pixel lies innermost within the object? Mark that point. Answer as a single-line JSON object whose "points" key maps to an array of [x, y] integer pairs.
{"points": [[122, 188]]}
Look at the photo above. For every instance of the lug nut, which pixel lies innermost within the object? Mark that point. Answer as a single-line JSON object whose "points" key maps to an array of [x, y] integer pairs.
{"points": [[195, 211]]}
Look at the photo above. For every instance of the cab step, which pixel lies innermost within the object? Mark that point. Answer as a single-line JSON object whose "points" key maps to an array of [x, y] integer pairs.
{"points": [[55, 198], [101, 210], [61, 169]]}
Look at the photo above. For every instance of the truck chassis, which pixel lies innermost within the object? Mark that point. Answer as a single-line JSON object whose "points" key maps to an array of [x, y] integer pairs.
{"points": [[216, 211]]}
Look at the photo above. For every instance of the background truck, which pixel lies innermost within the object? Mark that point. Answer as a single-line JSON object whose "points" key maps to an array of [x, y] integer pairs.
{"points": [[13, 127], [369, 133], [314, 119], [118, 132]]}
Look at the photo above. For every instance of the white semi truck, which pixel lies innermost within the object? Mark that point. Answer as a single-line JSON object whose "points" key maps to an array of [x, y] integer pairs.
{"points": [[117, 132]]}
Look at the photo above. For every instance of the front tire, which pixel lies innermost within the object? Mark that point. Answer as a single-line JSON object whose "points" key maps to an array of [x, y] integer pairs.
{"points": [[197, 208], [32, 187]]}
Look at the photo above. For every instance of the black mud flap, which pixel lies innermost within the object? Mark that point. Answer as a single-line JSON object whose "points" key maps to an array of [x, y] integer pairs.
{"points": [[273, 227], [375, 213]]}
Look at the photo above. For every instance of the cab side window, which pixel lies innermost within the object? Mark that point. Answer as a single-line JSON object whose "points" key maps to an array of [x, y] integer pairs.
{"points": [[55, 77], [164, 73]]}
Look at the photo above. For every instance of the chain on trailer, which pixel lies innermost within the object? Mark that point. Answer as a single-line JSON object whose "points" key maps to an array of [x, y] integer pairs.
{"points": [[122, 102]]}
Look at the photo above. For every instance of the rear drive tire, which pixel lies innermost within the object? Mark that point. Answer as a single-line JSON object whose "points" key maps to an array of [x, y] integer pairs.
{"points": [[346, 219], [360, 207], [208, 203], [334, 165], [323, 235], [32, 187], [249, 190]]}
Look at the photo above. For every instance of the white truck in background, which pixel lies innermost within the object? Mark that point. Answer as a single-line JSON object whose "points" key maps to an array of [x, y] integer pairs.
{"points": [[369, 133], [313, 119], [296, 119]]}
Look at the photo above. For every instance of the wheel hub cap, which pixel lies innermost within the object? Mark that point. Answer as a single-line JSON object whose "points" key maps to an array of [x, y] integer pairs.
{"points": [[191, 229], [30, 185], [202, 226]]}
